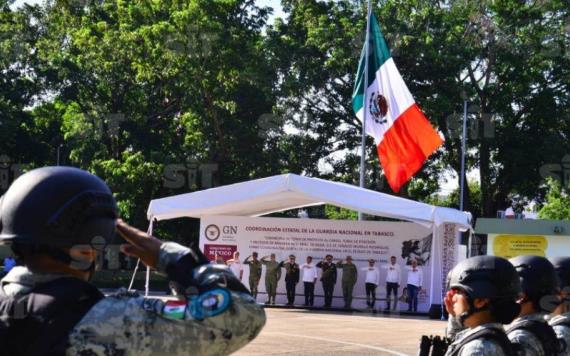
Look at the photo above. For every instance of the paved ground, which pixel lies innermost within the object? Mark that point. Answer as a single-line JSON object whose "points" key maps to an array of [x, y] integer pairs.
{"points": [[303, 332]]}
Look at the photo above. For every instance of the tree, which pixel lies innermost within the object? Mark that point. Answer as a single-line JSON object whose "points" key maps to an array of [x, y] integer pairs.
{"points": [[557, 204], [508, 60], [148, 94]]}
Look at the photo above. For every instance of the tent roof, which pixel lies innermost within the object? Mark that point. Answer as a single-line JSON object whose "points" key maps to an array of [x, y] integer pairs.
{"points": [[290, 191]]}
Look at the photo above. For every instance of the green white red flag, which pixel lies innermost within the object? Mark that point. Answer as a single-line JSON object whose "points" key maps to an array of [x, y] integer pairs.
{"points": [[403, 135]]}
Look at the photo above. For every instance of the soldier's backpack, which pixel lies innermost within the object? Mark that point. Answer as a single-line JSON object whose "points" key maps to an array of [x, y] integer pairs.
{"points": [[545, 334], [38, 323], [436, 346]]}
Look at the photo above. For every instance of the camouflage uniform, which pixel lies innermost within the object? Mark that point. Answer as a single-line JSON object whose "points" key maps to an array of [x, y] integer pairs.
{"points": [[528, 341], [272, 276], [254, 275], [129, 324], [349, 277], [480, 346], [562, 331]]}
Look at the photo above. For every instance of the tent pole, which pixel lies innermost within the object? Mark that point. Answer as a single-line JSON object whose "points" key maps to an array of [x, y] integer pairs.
{"points": [[363, 138]]}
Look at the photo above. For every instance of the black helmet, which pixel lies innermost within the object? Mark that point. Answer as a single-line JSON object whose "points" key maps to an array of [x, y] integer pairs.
{"points": [[562, 268], [57, 207], [485, 277], [537, 275]]}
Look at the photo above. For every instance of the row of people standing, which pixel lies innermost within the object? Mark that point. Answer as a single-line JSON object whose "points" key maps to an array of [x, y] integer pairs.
{"points": [[530, 294], [328, 277]]}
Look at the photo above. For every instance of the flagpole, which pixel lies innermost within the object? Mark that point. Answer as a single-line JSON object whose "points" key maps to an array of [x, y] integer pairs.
{"points": [[363, 140]]}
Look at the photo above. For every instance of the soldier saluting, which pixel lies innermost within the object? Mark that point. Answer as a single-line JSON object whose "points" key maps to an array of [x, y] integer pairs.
{"points": [[292, 274], [328, 277], [52, 217], [254, 273], [481, 296], [272, 276], [349, 277]]}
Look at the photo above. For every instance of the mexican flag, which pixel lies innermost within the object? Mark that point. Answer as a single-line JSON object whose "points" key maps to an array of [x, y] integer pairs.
{"points": [[175, 309], [404, 137]]}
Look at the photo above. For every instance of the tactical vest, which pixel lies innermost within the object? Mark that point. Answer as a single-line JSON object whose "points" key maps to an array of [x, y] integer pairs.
{"points": [[436, 346], [38, 323], [544, 332], [487, 333]]}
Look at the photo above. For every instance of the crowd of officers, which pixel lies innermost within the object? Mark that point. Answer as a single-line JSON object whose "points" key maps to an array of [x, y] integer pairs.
{"points": [[530, 295], [328, 277]]}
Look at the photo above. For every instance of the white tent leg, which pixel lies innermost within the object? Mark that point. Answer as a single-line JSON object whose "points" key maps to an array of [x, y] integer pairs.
{"points": [[147, 281], [134, 274], [146, 285]]}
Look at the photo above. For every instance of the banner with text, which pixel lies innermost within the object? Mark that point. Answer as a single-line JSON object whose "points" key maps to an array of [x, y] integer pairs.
{"points": [[363, 240]]}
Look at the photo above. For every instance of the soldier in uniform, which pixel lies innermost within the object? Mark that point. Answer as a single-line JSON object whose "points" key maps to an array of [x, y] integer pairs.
{"points": [[328, 277], [349, 277], [560, 320], [56, 219], [292, 274], [481, 296], [254, 273], [530, 330], [272, 276]]}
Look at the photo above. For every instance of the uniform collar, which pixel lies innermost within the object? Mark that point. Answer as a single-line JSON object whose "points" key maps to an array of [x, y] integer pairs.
{"points": [[564, 317], [20, 280], [464, 333], [530, 317]]}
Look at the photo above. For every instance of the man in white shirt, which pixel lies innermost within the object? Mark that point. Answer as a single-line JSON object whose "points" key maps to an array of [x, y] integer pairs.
{"points": [[236, 265], [392, 282], [371, 282], [414, 285], [310, 276]]}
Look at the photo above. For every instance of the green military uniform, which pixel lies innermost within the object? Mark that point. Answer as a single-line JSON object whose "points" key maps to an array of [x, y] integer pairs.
{"points": [[349, 277], [272, 276], [254, 275]]}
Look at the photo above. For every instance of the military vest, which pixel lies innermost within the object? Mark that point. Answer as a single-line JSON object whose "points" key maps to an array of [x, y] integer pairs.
{"points": [[38, 323]]}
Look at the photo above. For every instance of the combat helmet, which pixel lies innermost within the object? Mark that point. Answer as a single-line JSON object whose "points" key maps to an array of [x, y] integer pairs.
{"points": [[538, 277], [562, 269], [489, 277], [53, 207]]}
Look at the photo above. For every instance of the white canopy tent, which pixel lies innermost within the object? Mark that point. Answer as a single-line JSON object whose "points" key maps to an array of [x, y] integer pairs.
{"points": [[290, 191]]}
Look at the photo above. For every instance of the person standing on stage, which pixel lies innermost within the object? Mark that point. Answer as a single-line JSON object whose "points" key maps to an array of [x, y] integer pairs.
{"points": [[372, 281], [349, 277], [328, 278], [236, 266], [291, 278], [310, 276], [254, 273], [392, 282], [414, 285], [272, 276]]}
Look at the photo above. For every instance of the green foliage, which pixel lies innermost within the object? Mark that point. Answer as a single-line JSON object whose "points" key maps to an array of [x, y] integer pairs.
{"points": [[557, 205], [129, 88], [336, 213]]}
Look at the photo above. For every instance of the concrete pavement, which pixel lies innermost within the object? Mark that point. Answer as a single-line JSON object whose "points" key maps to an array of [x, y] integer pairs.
{"points": [[304, 332]]}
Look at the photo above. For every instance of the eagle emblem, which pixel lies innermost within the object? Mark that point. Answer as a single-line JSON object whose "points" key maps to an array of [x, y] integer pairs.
{"points": [[378, 108]]}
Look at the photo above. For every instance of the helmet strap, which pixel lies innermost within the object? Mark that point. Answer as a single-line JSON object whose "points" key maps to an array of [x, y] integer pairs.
{"points": [[472, 310]]}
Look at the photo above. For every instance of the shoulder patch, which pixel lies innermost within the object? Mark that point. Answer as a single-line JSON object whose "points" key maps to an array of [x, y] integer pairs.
{"points": [[210, 303]]}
